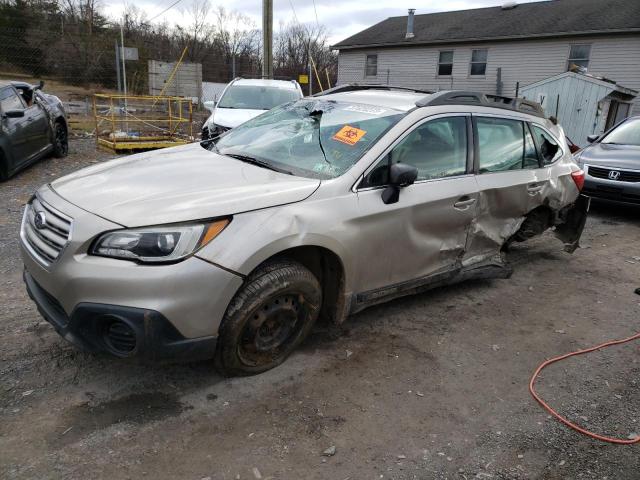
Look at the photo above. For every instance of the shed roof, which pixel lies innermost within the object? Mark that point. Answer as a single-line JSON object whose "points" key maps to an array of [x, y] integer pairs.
{"points": [[555, 18], [613, 86]]}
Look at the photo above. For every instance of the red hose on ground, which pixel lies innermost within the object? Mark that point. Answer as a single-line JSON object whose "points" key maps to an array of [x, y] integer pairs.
{"points": [[568, 423]]}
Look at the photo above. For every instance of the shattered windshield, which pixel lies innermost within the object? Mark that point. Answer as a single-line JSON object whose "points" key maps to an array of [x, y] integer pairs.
{"points": [[310, 138]]}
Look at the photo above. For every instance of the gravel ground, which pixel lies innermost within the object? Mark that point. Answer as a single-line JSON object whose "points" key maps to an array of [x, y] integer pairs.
{"points": [[429, 386]]}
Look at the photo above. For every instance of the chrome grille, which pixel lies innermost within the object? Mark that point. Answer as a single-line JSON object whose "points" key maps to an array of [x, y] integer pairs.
{"points": [[623, 175], [47, 236]]}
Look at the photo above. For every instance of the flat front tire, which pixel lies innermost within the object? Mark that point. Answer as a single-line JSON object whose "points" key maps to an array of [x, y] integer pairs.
{"points": [[268, 318]]}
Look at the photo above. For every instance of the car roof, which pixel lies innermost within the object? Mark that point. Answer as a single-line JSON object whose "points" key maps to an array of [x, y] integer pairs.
{"points": [[259, 82], [15, 83], [398, 100]]}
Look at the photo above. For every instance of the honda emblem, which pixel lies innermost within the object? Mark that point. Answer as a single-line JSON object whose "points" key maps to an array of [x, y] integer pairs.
{"points": [[614, 175]]}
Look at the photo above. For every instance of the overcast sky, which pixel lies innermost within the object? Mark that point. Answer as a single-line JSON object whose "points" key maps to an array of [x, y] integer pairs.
{"points": [[341, 17]]}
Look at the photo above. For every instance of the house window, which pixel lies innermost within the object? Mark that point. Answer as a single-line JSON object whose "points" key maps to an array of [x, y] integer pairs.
{"points": [[371, 67], [478, 62], [579, 55], [445, 63]]}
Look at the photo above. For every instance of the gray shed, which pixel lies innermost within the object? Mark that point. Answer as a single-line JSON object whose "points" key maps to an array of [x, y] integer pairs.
{"points": [[584, 105]]}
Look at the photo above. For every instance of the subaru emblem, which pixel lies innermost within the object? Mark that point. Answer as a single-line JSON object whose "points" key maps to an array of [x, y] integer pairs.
{"points": [[40, 220]]}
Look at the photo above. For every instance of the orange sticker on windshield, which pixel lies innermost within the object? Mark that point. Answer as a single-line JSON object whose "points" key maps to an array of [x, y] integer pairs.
{"points": [[349, 135]]}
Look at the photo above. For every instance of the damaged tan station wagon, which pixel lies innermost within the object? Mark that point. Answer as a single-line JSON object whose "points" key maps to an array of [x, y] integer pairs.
{"points": [[234, 247]]}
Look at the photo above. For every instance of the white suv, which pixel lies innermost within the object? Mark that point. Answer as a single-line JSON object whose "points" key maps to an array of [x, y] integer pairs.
{"points": [[243, 100]]}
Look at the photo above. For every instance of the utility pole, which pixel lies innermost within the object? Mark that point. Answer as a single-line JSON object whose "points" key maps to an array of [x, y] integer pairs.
{"points": [[267, 38], [118, 67], [124, 69]]}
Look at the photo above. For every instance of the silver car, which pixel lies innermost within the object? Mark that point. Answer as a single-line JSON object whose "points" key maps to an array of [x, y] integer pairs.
{"points": [[612, 163], [234, 247]]}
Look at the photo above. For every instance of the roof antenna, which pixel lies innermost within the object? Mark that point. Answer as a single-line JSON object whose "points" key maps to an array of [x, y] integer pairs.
{"points": [[410, 34]]}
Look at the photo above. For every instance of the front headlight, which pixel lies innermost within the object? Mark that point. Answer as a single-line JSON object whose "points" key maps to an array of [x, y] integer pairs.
{"points": [[157, 244]]}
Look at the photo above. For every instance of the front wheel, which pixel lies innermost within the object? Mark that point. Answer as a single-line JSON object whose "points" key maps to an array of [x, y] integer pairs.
{"points": [[60, 140], [268, 318]]}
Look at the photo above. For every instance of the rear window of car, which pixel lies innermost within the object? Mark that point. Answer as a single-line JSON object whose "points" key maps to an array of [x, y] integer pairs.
{"points": [[9, 100], [505, 144], [256, 97]]}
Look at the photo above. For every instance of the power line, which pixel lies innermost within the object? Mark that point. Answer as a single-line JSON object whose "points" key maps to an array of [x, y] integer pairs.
{"points": [[164, 11], [295, 17], [316, 12]]}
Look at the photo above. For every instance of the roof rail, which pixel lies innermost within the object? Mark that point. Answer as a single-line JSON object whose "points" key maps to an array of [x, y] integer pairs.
{"points": [[352, 87], [461, 97]]}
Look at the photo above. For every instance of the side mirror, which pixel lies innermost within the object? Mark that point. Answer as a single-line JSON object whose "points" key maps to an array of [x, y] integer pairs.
{"points": [[210, 105], [14, 114], [400, 175], [40, 85], [592, 138]]}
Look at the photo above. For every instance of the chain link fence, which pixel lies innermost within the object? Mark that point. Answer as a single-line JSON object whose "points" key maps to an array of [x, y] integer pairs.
{"points": [[76, 64]]}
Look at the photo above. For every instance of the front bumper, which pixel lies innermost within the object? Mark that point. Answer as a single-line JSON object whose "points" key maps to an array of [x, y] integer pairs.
{"points": [[170, 308], [626, 192], [120, 331]]}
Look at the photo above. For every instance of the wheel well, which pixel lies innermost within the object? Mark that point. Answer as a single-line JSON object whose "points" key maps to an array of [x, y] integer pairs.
{"points": [[328, 269], [536, 222]]}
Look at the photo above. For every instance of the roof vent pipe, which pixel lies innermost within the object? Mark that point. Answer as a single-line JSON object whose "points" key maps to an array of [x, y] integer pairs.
{"points": [[509, 5], [410, 34]]}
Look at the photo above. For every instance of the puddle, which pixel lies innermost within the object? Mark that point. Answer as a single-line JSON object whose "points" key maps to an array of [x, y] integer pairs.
{"points": [[137, 408]]}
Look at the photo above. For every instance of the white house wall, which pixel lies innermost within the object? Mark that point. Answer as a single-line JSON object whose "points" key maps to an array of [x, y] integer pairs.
{"points": [[526, 61]]}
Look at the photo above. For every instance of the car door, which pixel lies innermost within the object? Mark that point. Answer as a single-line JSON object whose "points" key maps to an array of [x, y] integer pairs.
{"points": [[424, 233], [15, 128], [37, 124], [510, 180]]}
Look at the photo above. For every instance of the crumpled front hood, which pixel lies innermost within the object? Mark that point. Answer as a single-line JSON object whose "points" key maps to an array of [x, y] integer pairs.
{"points": [[611, 156], [176, 185], [232, 117]]}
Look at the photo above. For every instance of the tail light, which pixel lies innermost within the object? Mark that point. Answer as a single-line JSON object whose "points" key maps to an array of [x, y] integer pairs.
{"points": [[578, 178]]}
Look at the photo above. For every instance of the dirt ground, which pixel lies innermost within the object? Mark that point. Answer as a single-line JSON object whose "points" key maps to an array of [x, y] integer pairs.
{"points": [[432, 386]]}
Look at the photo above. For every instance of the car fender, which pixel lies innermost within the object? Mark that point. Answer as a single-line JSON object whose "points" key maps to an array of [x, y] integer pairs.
{"points": [[254, 237]]}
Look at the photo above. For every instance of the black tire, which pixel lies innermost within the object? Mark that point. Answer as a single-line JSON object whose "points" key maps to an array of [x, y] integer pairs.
{"points": [[4, 168], [60, 140], [268, 318]]}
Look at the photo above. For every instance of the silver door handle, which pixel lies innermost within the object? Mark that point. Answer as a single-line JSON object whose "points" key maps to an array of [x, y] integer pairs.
{"points": [[534, 188], [464, 204]]}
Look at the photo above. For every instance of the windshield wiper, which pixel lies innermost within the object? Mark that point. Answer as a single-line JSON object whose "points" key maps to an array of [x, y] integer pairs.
{"points": [[255, 161]]}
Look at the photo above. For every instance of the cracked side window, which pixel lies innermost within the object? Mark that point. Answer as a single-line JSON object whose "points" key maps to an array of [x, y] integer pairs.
{"points": [[550, 151]]}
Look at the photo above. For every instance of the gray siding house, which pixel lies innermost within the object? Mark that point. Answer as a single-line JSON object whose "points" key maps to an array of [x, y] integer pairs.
{"points": [[491, 50]]}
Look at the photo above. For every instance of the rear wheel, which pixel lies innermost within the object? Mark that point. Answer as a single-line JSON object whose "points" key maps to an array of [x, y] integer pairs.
{"points": [[61, 140], [268, 318]]}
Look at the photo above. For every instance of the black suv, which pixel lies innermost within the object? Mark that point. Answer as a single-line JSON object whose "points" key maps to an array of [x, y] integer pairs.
{"points": [[32, 125]]}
